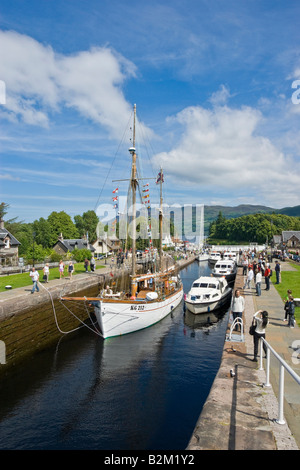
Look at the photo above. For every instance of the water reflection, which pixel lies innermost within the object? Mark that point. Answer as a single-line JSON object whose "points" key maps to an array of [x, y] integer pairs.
{"points": [[140, 391]]}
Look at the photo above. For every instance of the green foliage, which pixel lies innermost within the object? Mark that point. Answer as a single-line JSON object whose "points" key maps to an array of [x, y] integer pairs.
{"points": [[87, 223], [80, 255], [61, 222], [252, 228]]}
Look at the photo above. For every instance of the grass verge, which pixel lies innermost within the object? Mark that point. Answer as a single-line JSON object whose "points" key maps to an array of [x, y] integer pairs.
{"points": [[289, 280], [23, 280]]}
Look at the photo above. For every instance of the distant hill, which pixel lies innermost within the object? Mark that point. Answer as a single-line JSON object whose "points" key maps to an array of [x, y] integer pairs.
{"points": [[211, 212]]}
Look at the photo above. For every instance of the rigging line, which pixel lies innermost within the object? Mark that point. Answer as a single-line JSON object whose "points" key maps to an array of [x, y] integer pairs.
{"points": [[115, 156]]}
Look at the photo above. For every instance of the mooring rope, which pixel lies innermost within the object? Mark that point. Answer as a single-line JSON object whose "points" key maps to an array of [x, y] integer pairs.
{"points": [[56, 321]]}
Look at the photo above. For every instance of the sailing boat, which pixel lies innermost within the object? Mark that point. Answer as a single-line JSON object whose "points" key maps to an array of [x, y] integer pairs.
{"points": [[202, 255], [152, 296]]}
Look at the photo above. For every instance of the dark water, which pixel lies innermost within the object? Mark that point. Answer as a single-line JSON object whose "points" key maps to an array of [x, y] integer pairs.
{"points": [[143, 391]]}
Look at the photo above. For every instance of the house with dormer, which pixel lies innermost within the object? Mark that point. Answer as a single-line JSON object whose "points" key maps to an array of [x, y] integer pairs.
{"points": [[63, 246], [9, 247]]}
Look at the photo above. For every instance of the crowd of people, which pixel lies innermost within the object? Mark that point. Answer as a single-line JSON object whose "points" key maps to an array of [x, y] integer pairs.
{"points": [[254, 271], [34, 274]]}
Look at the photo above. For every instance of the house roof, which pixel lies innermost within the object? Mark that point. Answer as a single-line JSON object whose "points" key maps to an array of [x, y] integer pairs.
{"points": [[5, 233], [73, 243], [289, 234]]}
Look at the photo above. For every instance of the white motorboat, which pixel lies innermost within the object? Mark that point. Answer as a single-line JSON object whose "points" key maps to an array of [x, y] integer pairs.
{"points": [[151, 297], [225, 268], [202, 256], [214, 256], [207, 294], [230, 255]]}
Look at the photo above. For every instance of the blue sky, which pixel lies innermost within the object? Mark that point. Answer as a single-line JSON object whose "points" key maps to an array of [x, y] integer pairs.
{"points": [[212, 81]]}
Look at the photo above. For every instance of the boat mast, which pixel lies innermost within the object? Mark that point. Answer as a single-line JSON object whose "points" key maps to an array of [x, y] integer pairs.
{"points": [[133, 183], [160, 221]]}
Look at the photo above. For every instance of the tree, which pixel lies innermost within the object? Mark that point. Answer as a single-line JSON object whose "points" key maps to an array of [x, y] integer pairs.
{"points": [[87, 224], [42, 229], [60, 222]]}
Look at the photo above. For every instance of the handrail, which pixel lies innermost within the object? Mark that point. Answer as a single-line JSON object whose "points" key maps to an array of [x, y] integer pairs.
{"points": [[282, 365]]}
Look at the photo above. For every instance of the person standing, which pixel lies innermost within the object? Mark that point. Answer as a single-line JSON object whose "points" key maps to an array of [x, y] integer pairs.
{"points": [[258, 283], [70, 269], [291, 312], [46, 272], [277, 271], [35, 278], [286, 304], [86, 264], [238, 306], [261, 319], [267, 277], [61, 269]]}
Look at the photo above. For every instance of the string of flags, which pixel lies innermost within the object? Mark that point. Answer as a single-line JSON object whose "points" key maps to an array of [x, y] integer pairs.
{"points": [[115, 198]]}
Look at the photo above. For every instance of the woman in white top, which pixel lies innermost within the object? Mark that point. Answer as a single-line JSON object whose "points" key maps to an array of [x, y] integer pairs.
{"points": [[261, 320]]}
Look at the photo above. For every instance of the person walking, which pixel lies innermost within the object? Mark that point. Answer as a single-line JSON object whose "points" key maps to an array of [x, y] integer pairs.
{"points": [[92, 264], [277, 271], [249, 279], [238, 307], [261, 320], [258, 283], [35, 278]]}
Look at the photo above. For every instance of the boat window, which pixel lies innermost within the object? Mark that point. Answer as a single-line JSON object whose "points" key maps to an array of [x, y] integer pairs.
{"points": [[212, 286], [196, 284], [203, 284], [215, 295]]}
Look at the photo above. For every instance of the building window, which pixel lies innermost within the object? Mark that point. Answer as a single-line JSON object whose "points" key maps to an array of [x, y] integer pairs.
{"points": [[6, 243]]}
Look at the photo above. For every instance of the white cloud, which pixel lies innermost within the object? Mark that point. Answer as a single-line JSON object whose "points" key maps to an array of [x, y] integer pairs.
{"points": [[222, 149], [39, 81]]}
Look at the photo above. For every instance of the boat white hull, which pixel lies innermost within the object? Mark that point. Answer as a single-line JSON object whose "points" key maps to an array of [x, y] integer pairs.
{"points": [[204, 307], [229, 277], [213, 260], [202, 257], [120, 318]]}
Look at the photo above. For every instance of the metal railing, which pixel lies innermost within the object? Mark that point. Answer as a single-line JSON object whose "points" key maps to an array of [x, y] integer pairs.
{"points": [[282, 366]]}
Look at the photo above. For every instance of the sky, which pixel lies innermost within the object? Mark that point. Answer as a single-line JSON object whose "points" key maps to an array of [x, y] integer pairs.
{"points": [[217, 90]]}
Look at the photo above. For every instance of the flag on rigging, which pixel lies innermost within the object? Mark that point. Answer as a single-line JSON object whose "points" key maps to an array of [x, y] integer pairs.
{"points": [[115, 198], [160, 177], [115, 190]]}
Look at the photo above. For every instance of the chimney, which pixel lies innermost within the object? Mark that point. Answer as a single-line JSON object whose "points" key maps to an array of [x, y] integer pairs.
{"points": [[1, 223], [61, 238]]}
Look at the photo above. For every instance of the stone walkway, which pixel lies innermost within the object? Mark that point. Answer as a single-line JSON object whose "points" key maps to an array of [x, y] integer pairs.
{"points": [[240, 412]]}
